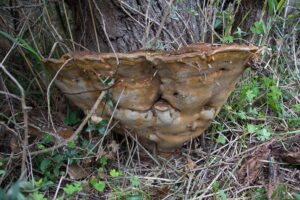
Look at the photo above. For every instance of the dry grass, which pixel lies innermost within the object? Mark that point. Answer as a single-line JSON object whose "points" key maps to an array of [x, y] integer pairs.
{"points": [[203, 168]]}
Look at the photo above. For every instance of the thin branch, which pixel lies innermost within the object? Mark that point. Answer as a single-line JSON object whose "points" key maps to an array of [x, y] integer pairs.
{"points": [[78, 130], [95, 30], [162, 23], [25, 118], [69, 28], [105, 32], [48, 92]]}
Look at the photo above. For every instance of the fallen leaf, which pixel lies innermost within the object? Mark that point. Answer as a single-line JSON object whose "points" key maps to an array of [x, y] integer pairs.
{"points": [[251, 168], [76, 172], [191, 164], [65, 132]]}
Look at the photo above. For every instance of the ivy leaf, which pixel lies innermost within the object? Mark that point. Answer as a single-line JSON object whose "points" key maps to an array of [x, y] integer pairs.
{"points": [[258, 28], [251, 128], [45, 164], [71, 189], [71, 144], [263, 134], [98, 185], [221, 139], [227, 39], [103, 161], [115, 173], [135, 181]]}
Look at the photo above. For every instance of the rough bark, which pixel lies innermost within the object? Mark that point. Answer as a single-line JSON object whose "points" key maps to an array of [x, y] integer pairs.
{"points": [[131, 24]]}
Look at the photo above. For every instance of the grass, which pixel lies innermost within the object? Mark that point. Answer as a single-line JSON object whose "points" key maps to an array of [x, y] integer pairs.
{"points": [[265, 107]]}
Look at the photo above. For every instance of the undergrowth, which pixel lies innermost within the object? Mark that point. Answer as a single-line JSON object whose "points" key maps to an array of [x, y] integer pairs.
{"points": [[265, 106]]}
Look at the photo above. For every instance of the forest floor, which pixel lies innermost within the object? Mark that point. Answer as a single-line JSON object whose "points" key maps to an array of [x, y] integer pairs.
{"points": [[251, 150]]}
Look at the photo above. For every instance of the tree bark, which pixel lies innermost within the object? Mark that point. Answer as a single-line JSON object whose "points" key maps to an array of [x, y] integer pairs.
{"points": [[132, 24]]}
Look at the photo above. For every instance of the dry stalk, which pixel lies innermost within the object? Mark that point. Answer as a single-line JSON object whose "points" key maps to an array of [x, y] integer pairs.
{"points": [[25, 119], [48, 92], [105, 32], [162, 23], [94, 26], [69, 28], [78, 130]]}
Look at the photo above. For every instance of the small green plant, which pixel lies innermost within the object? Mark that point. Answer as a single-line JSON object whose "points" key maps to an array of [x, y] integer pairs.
{"points": [[72, 117], [261, 133], [115, 173], [98, 127], [98, 185], [20, 190], [258, 28], [73, 188], [281, 192], [259, 194], [227, 39], [221, 139], [22, 43], [220, 193], [38, 196], [135, 181]]}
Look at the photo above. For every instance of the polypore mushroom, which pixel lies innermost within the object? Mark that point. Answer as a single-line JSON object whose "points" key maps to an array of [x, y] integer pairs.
{"points": [[164, 98]]}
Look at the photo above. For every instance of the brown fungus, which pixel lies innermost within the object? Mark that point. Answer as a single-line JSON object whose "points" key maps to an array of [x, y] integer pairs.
{"points": [[167, 98]]}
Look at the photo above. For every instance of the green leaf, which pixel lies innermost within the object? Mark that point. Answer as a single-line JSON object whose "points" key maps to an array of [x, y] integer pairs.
{"points": [[227, 39], [297, 196], [45, 164], [222, 195], [242, 115], [103, 161], [263, 134], [221, 139], [135, 181], [280, 4], [73, 188], [251, 94], [115, 173], [251, 128], [23, 44], [258, 28], [296, 108], [239, 32], [71, 144], [98, 185], [47, 138], [101, 130], [38, 196], [2, 172], [39, 182], [72, 117], [216, 186]]}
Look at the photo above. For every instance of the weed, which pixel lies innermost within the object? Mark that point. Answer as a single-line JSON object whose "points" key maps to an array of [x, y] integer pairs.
{"points": [[71, 189]]}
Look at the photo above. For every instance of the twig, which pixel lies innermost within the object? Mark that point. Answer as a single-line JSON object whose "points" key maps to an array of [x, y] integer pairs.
{"points": [[162, 23], [25, 118], [95, 30], [48, 92], [78, 130], [10, 94], [105, 32], [69, 28]]}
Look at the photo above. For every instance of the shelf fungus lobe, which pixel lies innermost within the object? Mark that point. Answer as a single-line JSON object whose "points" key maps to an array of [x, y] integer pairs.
{"points": [[164, 98]]}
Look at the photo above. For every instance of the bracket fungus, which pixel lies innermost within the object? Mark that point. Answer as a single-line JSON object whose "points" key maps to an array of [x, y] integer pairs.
{"points": [[164, 98]]}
